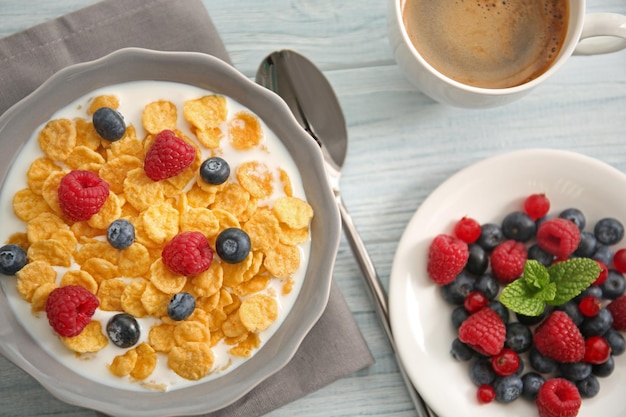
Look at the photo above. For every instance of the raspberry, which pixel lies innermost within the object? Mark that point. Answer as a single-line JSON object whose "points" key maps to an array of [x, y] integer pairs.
{"points": [[447, 257], [617, 307], [558, 397], [168, 156], [558, 236], [508, 260], [82, 194], [69, 309], [467, 229], [536, 206], [484, 331], [188, 254], [558, 338]]}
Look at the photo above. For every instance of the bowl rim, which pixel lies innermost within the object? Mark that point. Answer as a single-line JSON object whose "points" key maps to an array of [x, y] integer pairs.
{"points": [[213, 74]]}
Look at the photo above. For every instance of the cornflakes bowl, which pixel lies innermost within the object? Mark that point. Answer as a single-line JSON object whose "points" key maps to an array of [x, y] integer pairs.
{"points": [[18, 343]]}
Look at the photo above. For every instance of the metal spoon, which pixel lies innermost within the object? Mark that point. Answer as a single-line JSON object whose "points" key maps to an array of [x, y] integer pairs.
{"points": [[313, 102]]}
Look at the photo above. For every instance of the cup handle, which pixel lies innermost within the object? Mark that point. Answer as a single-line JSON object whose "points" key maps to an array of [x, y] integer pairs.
{"points": [[602, 33]]}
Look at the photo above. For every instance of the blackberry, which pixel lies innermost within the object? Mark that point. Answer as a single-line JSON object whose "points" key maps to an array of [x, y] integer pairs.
{"points": [[490, 236], [478, 260], [121, 234], [532, 383], [181, 306], [12, 259], [518, 226], [109, 124], [232, 245], [123, 330], [215, 170], [575, 216], [608, 231], [456, 291]]}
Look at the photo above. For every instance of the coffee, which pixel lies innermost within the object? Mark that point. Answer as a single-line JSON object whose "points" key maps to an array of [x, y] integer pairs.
{"points": [[489, 44]]}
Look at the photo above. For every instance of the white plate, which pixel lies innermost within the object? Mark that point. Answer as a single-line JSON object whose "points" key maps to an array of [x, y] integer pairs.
{"points": [[487, 191]]}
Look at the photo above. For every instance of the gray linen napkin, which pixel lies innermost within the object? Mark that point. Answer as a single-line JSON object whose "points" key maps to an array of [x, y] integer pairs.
{"points": [[335, 347]]}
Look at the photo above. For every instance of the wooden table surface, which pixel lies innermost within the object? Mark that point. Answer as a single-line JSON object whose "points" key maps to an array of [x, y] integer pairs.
{"points": [[402, 146]]}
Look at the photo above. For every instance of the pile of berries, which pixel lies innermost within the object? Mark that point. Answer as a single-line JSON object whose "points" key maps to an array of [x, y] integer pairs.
{"points": [[553, 359]]}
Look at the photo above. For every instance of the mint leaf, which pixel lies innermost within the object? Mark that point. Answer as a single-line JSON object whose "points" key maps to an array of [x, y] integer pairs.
{"points": [[519, 297], [571, 278], [535, 275]]}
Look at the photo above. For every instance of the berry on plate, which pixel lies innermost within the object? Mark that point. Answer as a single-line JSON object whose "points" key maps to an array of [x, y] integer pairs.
{"points": [[69, 309], [123, 330], [12, 259], [467, 229], [484, 331], [559, 236], [558, 338], [447, 257], [558, 397], [121, 234], [508, 260], [233, 245], [181, 306], [109, 123], [82, 194], [168, 156], [188, 253], [536, 206]]}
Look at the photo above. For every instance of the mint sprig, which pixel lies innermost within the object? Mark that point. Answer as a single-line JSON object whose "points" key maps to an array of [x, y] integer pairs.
{"points": [[540, 286]]}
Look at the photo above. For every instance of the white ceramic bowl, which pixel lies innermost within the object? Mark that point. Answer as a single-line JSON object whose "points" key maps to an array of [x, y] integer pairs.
{"points": [[210, 73]]}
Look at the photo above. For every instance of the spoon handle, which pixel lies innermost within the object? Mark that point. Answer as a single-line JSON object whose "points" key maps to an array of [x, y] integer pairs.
{"points": [[380, 300]]}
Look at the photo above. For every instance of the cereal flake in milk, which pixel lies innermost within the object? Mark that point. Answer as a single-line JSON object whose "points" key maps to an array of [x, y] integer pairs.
{"points": [[238, 306]]}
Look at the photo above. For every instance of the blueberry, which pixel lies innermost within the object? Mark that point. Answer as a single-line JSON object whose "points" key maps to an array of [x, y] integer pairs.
{"points": [[587, 246], [490, 236], [614, 285], [541, 363], [571, 309], [215, 170], [603, 253], [478, 260], [597, 325], [574, 215], [488, 285], [232, 245], [518, 226], [181, 306], [519, 337], [121, 234], [123, 330], [12, 259], [588, 387], [455, 292], [460, 351], [575, 371], [508, 388], [540, 255], [608, 231], [459, 315], [604, 369], [109, 124], [481, 372], [616, 341], [532, 383], [500, 309], [593, 291]]}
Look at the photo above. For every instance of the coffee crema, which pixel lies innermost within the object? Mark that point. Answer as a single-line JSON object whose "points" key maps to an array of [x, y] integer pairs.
{"points": [[489, 44]]}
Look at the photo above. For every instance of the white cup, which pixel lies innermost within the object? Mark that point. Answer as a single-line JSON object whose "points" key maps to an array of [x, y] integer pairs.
{"points": [[587, 34]]}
